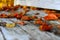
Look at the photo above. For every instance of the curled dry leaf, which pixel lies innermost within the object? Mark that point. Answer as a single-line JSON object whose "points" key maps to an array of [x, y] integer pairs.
{"points": [[49, 11], [26, 18], [8, 25], [3, 15], [57, 14], [21, 23], [45, 27], [15, 14], [38, 21], [34, 17], [51, 17]]}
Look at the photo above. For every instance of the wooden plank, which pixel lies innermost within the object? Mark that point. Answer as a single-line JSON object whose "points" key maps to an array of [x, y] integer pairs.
{"points": [[38, 35], [31, 38], [15, 33], [1, 36], [33, 31]]}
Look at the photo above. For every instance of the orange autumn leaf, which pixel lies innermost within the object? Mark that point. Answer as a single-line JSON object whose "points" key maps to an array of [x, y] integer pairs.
{"points": [[45, 27], [26, 18], [21, 23], [57, 14], [34, 17], [3, 15], [38, 21], [51, 17]]}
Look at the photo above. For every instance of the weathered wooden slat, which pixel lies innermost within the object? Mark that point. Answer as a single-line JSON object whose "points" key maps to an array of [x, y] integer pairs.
{"points": [[27, 31], [38, 35], [15, 33], [1, 36], [33, 31], [18, 27], [11, 34]]}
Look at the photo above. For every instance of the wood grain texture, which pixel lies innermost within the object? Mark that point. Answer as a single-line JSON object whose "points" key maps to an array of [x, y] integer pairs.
{"points": [[1, 36], [37, 34], [26, 32]]}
